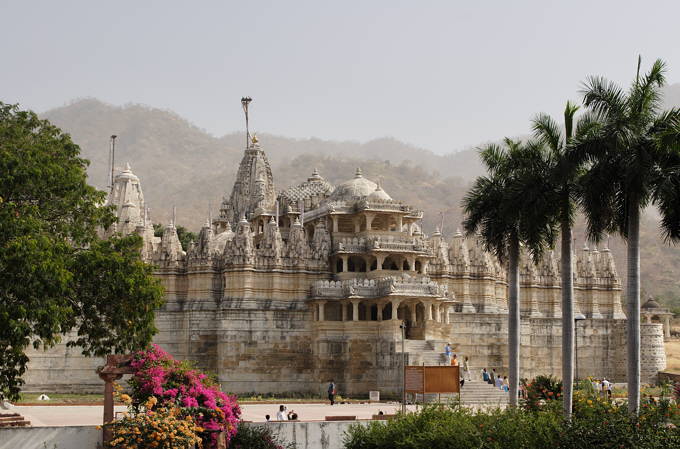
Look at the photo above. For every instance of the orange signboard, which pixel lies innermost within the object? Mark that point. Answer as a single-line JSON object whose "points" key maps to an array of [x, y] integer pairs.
{"points": [[432, 379]]}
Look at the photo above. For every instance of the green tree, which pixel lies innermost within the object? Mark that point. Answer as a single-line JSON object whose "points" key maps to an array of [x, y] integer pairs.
{"points": [[56, 275], [563, 176], [633, 161], [513, 205], [183, 234]]}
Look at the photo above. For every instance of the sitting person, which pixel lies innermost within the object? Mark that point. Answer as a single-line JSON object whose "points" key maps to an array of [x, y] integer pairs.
{"points": [[485, 375], [267, 417], [292, 416], [506, 384], [499, 382]]}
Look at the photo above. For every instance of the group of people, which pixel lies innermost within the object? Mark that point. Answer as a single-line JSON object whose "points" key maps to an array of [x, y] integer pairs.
{"points": [[602, 387], [452, 360], [492, 378], [284, 414]]}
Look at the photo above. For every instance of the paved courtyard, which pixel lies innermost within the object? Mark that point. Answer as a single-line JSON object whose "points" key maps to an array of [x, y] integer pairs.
{"points": [[79, 415]]}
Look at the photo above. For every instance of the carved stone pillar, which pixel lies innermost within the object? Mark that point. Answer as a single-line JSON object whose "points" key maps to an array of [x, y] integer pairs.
{"points": [[322, 307], [343, 306], [437, 313], [380, 258], [345, 265], [395, 309], [428, 310], [446, 312], [400, 223], [380, 311], [355, 309], [667, 328], [412, 309], [357, 224], [412, 263], [369, 220]]}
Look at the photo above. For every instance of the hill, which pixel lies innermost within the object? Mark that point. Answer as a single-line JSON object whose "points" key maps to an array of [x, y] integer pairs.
{"points": [[181, 165]]}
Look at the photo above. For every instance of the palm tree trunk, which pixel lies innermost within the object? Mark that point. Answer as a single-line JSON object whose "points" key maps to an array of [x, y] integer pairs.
{"points": [[567, 319], [513, 319], [633, 300]]}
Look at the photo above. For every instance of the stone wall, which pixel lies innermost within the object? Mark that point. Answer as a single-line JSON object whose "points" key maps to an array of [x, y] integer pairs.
{"points": [[305, 435], [72, 437]]}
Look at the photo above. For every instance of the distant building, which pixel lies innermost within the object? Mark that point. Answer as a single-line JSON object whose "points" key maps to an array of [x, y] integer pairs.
{"points": [[282, 292]]}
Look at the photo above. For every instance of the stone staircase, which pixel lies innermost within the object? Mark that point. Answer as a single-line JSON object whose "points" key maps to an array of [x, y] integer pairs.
{"points": [[424, 352], [475, 392]]}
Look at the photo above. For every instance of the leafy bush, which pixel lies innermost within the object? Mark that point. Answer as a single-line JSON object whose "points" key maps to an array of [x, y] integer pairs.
{"points": [[594, 424], [256, 437], [445, 427], [541, 390]]}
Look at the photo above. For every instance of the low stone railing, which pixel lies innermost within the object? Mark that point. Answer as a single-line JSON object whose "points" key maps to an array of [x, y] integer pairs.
{"points": [[360, 244], [372, 288]]}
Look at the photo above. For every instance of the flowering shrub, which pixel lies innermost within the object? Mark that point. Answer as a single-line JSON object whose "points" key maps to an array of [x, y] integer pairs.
{"points": [[164, 428], [541, 390], [178, 384]]}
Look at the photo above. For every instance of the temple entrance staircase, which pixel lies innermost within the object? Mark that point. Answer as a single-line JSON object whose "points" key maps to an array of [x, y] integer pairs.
{"points": [[475, 392]]}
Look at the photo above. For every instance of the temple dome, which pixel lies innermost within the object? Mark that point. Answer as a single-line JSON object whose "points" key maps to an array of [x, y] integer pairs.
{"points": [[651, 304], [357, 187], [379, 195]]}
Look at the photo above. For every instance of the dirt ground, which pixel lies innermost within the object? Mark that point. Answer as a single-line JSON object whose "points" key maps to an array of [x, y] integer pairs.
{"points": [[673, 356]]}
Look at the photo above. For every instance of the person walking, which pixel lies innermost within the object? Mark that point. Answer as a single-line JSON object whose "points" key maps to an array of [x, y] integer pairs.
{"points": [[485, 375], [466, 370], [492, 377], [506, 384], [331, 392], [447, 353], [499, 383]]}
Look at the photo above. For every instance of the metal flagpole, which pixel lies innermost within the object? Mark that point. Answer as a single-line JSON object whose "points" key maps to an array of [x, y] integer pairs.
{"points": [[245, 101]]}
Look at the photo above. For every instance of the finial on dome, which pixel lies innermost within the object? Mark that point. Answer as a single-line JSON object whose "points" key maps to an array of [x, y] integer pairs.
{"points": [[315, 175], [585, 246], [243, 218], [458, 233], [228, 229], [207, 223], [297, 222], [272, 220], [358, 173], [127, 166]]}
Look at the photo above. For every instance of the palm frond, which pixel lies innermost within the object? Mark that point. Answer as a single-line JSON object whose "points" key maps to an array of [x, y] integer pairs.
{"points": [[569, 112], [548, 131], [603, 96]]}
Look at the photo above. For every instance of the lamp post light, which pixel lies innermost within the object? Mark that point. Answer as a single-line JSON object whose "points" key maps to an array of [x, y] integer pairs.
{"points": [[402, 326], [578, 317]]}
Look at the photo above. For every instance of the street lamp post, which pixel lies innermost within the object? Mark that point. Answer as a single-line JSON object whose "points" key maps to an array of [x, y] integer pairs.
{"points": [[578, 317], [402, 326]]}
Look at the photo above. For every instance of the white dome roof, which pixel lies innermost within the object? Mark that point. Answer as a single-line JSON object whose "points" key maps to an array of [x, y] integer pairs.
{"points": [[357, 187], [379, 195]]}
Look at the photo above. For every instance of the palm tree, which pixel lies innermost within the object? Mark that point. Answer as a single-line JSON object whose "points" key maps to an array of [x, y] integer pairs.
{"points": [[509, 207], [633, 161], [563, 176]]}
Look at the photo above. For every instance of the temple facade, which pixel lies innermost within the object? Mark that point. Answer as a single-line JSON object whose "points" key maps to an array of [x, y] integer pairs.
{"points": [[283, 291]]}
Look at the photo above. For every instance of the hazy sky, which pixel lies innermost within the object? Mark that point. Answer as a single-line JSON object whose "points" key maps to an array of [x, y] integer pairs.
{"points": [[442, 75]]}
